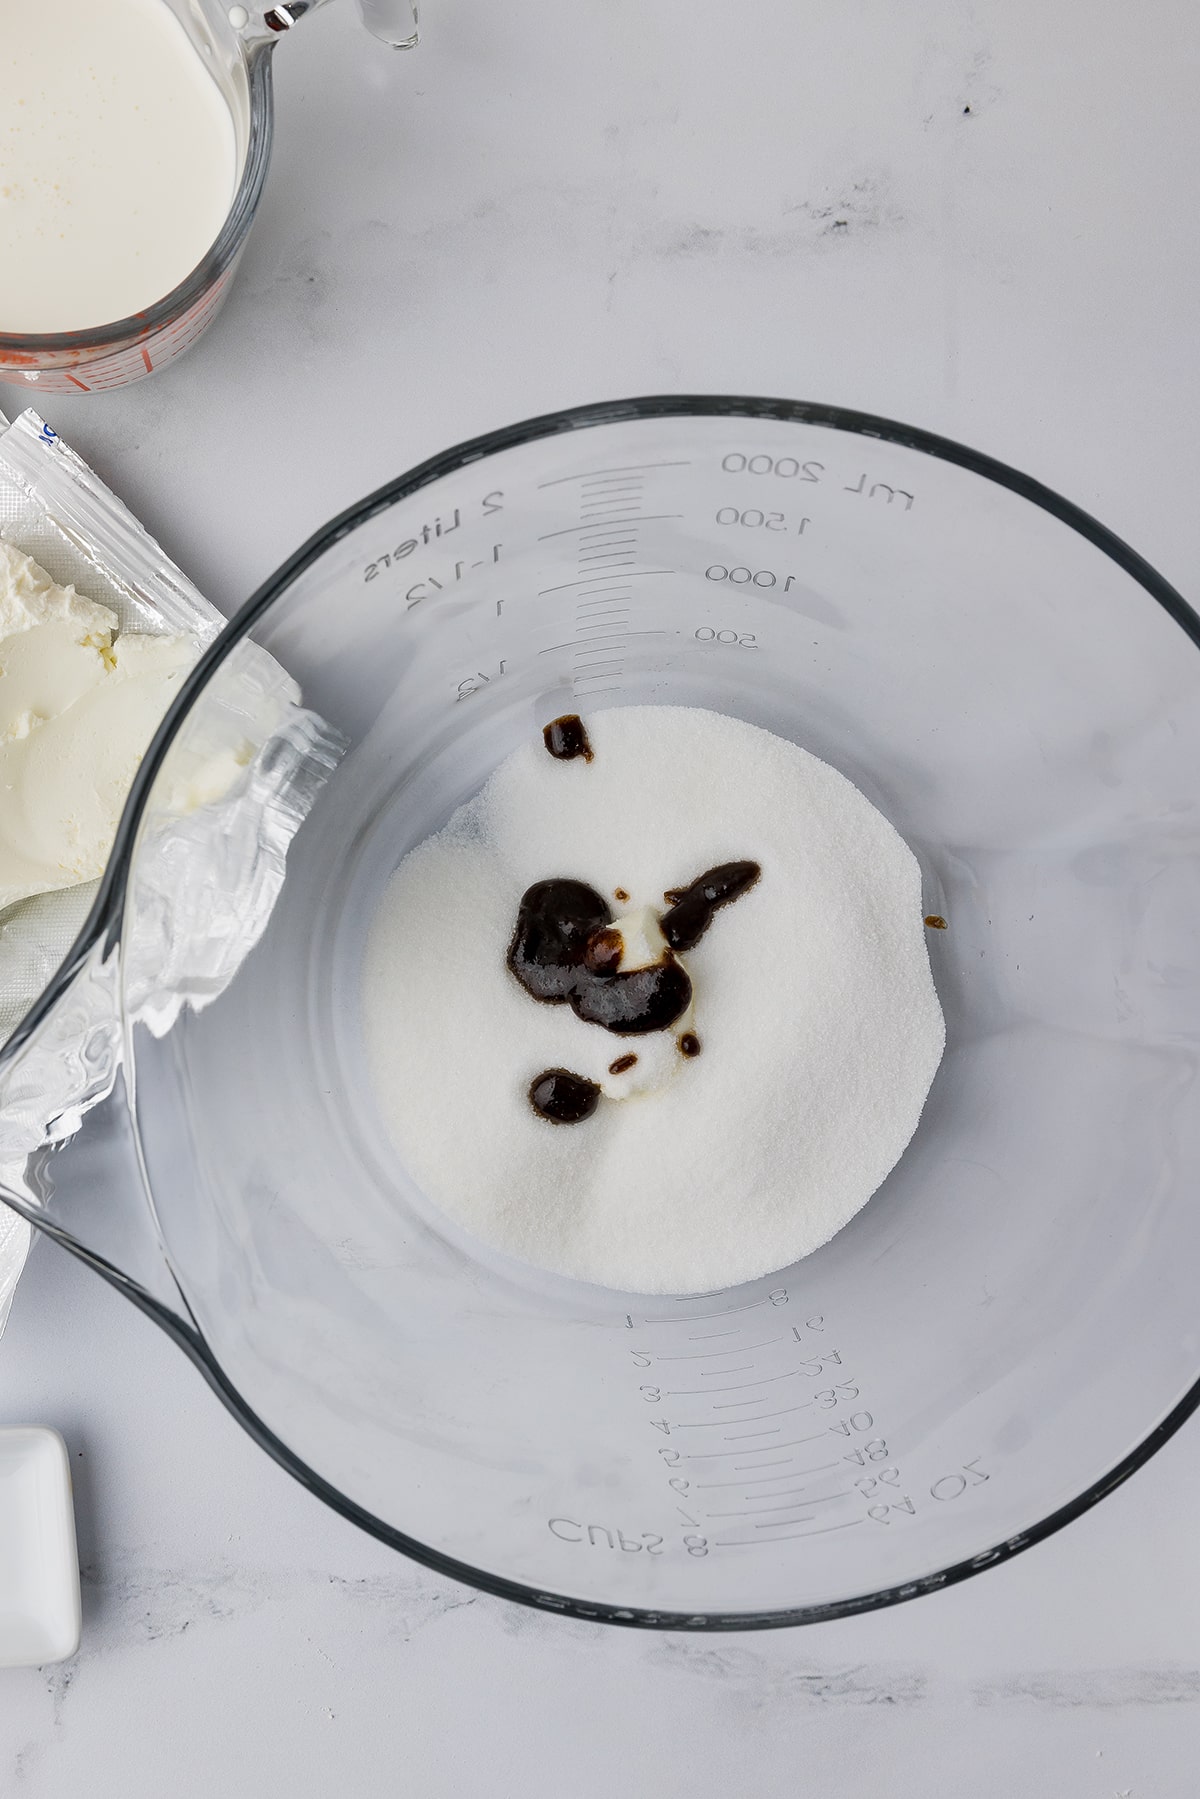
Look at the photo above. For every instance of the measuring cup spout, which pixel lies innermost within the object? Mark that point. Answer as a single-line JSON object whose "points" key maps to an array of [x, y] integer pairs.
{"points": [[393, 22]]}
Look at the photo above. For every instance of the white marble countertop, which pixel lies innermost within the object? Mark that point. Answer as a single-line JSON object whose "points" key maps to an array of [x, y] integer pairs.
{"points": [[979, 218]]}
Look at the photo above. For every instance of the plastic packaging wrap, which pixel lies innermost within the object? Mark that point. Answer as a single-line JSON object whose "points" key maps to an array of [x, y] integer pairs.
{"points": [[205, 884]]}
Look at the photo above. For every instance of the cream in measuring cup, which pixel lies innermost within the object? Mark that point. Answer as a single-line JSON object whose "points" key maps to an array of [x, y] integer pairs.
{"points": [[118, 162]]}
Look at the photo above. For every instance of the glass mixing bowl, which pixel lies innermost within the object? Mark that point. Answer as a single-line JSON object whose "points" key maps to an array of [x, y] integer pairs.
{"points": [[1007, 1330]]}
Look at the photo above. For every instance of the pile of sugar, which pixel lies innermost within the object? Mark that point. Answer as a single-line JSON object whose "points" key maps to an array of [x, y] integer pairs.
{"points": [[814, 1004]]}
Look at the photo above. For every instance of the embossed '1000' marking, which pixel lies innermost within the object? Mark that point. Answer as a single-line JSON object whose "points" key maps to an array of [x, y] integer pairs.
{"points": [[742, 577]]}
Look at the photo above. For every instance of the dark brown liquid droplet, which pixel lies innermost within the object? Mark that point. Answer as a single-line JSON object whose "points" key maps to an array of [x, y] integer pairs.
{"points": [[692, 908], [555, 923], [561, 1097], [560, 951], [689, 1044], [620, 894], [635, 1003], [567, 737], [622, 1064], [936, 922]]}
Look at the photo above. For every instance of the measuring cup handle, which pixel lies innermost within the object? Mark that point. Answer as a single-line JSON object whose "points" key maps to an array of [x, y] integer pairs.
{"points": [[393, 22]]}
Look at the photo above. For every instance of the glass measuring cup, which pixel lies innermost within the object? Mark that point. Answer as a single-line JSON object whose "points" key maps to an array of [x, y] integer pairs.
{"points": [[1005, 1332], [235, 43]]}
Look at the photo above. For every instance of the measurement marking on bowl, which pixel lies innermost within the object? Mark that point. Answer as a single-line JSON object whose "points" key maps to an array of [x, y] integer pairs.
{"points": [[779, 1502], [787, 1410], [703, 1392], [763, 1380], [762, 1480], [781, 1461], [779, 1523], [633, 574], [640, 517], [725, 1312], [764, 1542], [757, 1474], [821, 1468], [708, 1455], [706, 1355], [818, 1499], [606, 554], [632, 468]]}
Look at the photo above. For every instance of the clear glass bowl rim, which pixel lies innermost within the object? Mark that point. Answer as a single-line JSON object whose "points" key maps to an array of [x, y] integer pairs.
{"points": [[102, 931]]}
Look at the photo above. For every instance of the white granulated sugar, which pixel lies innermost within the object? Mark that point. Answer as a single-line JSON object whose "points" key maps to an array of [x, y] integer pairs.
{"points": [[814, 1003]]}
